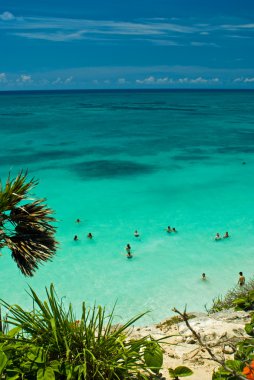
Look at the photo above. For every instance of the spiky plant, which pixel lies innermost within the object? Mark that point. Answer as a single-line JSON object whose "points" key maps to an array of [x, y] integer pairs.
{"points": [[25, 224], [49, 343]]}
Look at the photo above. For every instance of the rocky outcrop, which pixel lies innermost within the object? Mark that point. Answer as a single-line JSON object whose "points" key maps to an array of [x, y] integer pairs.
{"points": [[219, 331]]}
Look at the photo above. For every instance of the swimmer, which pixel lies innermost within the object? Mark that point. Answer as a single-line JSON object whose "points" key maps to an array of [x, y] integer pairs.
{"points": [[173, 229], [168, 229], [78, 221], [128, 250], [203, 276], [241, 280], [226, 235], [136, 234], [75, 238], [89, 235], [217, 236]]}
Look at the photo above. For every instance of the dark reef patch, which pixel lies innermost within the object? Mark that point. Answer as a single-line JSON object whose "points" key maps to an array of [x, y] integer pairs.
{"points": [[235, 149], [110, 169], [185, 157], [35, 157]]}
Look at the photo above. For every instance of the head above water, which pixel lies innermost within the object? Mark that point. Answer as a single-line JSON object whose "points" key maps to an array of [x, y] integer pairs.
{"points": [[240, 273]]}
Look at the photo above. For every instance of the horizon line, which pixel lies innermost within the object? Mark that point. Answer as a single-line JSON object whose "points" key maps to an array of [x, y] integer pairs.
{"points": [[125, 90]]}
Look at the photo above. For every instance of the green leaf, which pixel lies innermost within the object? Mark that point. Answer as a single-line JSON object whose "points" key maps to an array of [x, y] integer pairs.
{"points": [[239, 301], [153, 356], [12, 377], [37, 355], [182, 371], [219, 376], [249, 328], [55, 365], [53, 326], [3, 361], [171, 372], [47, 374], [13, 332], [235, 365]]}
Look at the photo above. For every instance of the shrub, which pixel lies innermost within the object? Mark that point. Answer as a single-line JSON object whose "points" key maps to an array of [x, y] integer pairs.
{"points": [[240, 298], [49, 343]]}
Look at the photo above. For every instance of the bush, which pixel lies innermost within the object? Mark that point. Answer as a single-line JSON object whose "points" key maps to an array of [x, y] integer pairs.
{"points": [[49, 343], [240, 298]]}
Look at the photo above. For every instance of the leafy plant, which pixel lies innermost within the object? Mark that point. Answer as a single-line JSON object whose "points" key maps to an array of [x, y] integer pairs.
{"points": [[245, 302], [25, 227], [240, 298], [181, 371], [49, 343], [243, 364]]}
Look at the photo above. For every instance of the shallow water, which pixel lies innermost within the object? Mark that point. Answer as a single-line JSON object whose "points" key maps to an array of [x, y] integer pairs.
{"points": [[122, 161]]}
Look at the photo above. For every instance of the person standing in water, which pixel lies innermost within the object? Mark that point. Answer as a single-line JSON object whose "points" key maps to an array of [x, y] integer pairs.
{"points": [[89, 235], [128, 250], [136, 234], [203, 276], [241, 280]]}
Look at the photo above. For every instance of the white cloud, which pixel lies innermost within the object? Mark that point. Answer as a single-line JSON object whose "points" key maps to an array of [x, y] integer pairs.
{"points": [[200, 44], [3, 78], [165, 80], [185, 80], [7, 16], [67, 29], [24, 78], [248, 80], [121, 81], [149, 80], [244, 80], [57, 81], [68, 80], [56, 37], [163, 42], [238, 79], [198, 80]]}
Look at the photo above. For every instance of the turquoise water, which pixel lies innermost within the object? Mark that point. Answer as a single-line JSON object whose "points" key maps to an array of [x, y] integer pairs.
{"points": [[122, 161]]}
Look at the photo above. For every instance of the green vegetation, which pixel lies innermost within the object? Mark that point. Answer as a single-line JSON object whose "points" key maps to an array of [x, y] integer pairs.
{"points": [[25, 226], [181, 371], [240, 298], [49, 343], [242, 367]]}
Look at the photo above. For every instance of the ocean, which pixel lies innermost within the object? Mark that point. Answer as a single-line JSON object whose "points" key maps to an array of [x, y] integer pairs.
{"points": [[122, 161]]}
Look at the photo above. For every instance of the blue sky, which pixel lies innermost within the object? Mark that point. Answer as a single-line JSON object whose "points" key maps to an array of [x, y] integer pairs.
{"points": [[53, 44]]}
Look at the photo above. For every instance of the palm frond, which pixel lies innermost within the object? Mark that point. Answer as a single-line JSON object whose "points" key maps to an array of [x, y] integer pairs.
{"points": [[26, 229], [15, 190]]}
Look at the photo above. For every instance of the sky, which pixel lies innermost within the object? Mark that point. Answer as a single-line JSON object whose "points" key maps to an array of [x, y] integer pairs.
{"points": [[115, 44]]}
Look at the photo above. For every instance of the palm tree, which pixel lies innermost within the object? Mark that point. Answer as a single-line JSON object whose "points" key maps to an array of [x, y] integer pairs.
{"points": [[25, 224]]}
